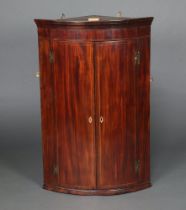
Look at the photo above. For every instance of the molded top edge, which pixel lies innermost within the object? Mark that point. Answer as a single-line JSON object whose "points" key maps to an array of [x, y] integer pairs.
{"points": [[95, 20]]}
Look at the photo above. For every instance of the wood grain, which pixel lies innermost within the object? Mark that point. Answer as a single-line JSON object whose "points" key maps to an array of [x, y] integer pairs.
{"points": [[47, 113], [143, 109], [74, 102], [94, 74], [116, 151]]}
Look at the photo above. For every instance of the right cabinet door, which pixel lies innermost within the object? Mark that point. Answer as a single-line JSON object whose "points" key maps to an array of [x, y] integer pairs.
{"points": [[116, 110]]}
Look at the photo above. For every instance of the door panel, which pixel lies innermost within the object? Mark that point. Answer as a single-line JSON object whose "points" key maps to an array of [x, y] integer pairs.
{"points": [[143, 109], [116, 95], [74, 100]]}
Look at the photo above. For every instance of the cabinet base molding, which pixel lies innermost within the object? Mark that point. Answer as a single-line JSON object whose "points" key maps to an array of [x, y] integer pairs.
{"points": [[115, 191]]}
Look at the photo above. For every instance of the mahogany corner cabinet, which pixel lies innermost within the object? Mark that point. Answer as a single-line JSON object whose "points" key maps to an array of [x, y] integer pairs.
{"points": [[95, 104]]}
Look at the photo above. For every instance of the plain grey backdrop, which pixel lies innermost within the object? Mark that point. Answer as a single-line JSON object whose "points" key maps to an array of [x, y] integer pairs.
{"points": [[20, 134]]}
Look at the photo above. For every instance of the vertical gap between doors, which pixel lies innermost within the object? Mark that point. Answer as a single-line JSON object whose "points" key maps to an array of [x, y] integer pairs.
{"points": [[96, 113]]}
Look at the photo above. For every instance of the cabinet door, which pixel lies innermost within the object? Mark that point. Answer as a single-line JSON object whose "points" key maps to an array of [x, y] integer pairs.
{"points": [[74, 107], [116, 129]]}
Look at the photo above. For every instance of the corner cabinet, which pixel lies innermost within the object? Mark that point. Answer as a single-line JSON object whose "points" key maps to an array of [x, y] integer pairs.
{"points": [[95, 96]]}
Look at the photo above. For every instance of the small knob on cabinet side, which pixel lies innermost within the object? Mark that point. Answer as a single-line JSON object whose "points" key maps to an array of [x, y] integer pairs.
{"points": [[37, 74]]}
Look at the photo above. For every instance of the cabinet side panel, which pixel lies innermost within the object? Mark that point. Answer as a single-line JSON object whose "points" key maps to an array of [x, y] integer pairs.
{"points": [[47, 112], [143, 109]]}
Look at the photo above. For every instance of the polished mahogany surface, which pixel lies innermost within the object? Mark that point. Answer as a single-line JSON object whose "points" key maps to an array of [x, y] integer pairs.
{"points": [[95, 104]]}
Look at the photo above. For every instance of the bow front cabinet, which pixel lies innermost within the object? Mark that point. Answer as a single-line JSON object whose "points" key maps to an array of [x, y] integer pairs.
{"points": [[95, 96]]}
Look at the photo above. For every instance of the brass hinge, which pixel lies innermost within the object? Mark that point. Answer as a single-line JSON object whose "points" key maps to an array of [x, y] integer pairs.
{"points": [[56, 170], [137, 57], [137, 166], [51, 56]]}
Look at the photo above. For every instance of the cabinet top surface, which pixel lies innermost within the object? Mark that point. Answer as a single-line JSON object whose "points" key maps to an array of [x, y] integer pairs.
{"points": [[94, 20]]}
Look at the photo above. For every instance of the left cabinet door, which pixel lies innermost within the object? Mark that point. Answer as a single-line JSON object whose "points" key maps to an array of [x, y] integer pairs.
{"points": [[74, 109]]}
